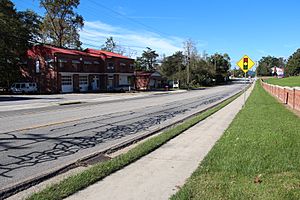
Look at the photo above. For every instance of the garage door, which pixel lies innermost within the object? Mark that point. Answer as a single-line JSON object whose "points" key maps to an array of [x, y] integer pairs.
{"points": [[83, 83], [66, 84]]}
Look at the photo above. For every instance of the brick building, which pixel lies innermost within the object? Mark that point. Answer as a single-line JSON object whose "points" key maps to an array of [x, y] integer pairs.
{"points": [[58, 70], [149, 80]]}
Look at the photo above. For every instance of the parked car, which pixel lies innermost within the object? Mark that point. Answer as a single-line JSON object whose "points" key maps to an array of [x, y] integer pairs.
{"points": [[122, 88], [23, 88]]}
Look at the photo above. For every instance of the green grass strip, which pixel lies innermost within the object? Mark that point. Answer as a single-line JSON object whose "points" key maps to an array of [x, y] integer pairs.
{"points": [[293, 81], [82, 180], [258, 157]]}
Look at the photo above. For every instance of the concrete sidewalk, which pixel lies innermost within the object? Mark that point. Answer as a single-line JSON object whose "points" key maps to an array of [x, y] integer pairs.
{"points": [[162, 172]]}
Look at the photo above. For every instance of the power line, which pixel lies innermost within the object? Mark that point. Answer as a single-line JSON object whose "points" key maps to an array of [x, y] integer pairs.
{"points": [[121, 15], [121, 45], [130, 19]]}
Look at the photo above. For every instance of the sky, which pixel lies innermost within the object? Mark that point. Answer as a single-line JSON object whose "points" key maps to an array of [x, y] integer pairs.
{"points": [[255, 28]]}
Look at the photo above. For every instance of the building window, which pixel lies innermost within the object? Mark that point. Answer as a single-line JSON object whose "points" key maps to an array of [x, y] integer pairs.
{"points": [[129, 79], [131, 66], [96, 62], [66, 80], [122, 64], [37, 66], [110, 66], [62, 62], [87, 64], [124, 80], [83, 80], [75, 64]]}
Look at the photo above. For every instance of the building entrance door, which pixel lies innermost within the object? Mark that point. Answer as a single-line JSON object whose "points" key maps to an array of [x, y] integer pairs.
{"points": [[110, 84], [95, 83]]}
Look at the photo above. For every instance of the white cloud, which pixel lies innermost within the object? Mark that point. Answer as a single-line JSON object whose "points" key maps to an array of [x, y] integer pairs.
{"points": [[96, 32], [99, 25], [262, 52]]}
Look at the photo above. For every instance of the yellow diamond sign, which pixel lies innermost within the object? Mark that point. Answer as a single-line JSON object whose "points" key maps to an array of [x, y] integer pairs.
{"points": [[245, 63]]}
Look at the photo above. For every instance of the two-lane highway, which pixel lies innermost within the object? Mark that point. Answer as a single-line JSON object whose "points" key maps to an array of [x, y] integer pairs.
{"points": [[39, 142]]}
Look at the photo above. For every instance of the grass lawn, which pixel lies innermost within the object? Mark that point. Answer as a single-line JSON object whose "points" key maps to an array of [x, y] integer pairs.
{"points": [[80, 181], [258, 157], [293, 81]]}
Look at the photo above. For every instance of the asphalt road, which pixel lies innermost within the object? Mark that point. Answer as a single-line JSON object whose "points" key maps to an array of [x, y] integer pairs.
{"points": [[53, 138]]}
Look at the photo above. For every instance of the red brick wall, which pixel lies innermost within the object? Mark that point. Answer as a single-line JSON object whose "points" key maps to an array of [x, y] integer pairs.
{"points": [[59, 83], [103, 82], [47, 79], [118, 68], [142, 82], [116, 80], [81, 67], [286, 95], [297, 99], [281, 94], [76, 82], [290, 97]]}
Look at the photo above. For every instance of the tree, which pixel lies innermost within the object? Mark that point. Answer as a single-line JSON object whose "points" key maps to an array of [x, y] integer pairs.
{"points": [[293, 64], [61, 23], [266, 63], [32, 23], [191, 54], [237, 72], [221, 63], [18, 32], [110, 45], [172, 65], [202, 73], [148, 60]]}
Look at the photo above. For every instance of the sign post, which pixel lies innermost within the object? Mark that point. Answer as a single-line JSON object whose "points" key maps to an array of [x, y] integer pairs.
{"points": [[245, 64]]}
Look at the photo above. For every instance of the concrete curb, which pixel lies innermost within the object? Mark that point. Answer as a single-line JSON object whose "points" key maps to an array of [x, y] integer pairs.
{"points": [[162, 172], [4, 193]]}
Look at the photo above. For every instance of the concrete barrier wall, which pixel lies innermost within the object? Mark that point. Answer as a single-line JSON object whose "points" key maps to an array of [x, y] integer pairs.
{"points": [[286, 95]]}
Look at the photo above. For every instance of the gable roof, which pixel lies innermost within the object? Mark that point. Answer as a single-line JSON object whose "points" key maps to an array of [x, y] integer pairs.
{"points": [[46, 49], [107, 54], [51, 50]]}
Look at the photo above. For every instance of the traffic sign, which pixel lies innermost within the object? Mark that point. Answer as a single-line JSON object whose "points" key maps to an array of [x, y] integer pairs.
{"points": [[245, 63]]}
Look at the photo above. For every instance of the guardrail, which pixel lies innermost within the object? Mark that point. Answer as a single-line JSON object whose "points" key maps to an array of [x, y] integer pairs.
{"points": [[286, 95]]}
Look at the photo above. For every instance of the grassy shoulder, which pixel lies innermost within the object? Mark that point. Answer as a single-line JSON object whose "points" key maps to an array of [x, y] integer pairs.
{"points": [[293, 81], [256, 158], [78, 182]]}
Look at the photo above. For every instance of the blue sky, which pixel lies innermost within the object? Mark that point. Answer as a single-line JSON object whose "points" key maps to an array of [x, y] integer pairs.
{"points": [[237, 27]]}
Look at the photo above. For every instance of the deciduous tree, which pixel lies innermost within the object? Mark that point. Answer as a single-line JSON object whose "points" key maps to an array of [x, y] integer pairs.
{"points": [[110, 45], [266, 63], [293, 64], [221, 63], [18, 32], [61, 23], [173, 64]]}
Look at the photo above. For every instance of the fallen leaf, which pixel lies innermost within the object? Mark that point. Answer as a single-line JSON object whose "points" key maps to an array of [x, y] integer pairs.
{"points": [[257, 179]]}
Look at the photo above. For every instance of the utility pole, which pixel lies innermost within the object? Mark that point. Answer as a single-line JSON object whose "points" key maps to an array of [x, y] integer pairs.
{"points": [[188, 72], [190, 51]]}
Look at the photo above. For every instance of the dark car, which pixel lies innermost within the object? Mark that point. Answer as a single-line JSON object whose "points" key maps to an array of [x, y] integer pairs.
{"points": [[122, 88]]}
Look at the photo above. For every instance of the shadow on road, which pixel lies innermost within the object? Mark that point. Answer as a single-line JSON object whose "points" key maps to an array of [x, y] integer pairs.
{"points": [[22, 98]]}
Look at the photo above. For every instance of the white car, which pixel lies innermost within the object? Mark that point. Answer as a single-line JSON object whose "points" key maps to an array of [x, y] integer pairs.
{"points": [[23, 87]]}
